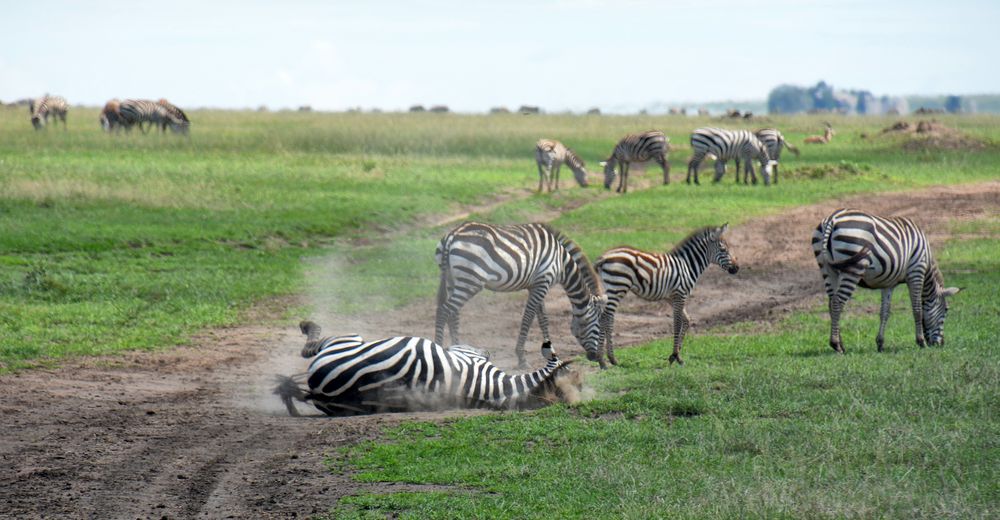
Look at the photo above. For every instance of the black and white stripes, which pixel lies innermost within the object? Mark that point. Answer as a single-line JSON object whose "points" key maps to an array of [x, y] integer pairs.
{"points": [[348, 375], [854, 248], [650, 145], [46, 106], [143, 111], [550, 156], [475, 256], [724, 145], [656, 276]]}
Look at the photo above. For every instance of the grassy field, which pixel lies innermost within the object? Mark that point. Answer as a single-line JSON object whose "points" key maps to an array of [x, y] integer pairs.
{"points": [[138, 242]]}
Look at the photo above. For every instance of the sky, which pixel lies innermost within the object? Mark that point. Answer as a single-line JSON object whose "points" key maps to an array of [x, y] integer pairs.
{"points": [[617, 55]]}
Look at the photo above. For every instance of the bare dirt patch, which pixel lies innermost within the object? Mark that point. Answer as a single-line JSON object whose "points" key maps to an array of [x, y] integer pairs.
{"points": [[931, 135], [195, 432]]}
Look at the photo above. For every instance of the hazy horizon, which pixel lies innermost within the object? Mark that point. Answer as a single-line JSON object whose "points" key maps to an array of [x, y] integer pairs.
{"points": [[556, 54]]}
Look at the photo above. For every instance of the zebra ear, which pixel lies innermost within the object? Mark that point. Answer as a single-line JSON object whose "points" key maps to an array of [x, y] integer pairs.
{"points": [[603, 163], [951, 291]]}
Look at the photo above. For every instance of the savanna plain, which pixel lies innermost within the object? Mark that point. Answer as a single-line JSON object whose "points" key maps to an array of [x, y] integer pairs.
{"points": [[151, 285]]}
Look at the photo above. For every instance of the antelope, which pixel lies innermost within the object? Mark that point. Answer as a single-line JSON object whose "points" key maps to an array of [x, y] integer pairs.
{"points": [[821, 139]]}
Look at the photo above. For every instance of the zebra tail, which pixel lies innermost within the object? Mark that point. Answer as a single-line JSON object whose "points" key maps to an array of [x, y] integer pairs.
{"points": [[825, 256], [289, 391], [791, 148]]}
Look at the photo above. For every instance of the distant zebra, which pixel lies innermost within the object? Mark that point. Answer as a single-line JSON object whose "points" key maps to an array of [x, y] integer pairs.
{"points": [[475, 256], [110, 117], [650, 145], [550, 156], [177, 114], [46, 106], [348, 375], [656, 277], [723, 145], [854, 248], [139, 111], [774, 142]]}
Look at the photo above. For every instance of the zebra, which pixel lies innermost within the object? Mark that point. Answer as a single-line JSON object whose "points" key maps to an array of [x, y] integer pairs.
{"points": [[45, 106], [854, 248], [656, 277], [650, 145], [177, 113], [550, 155], [139, 111], [110, 117], [774, 142], [474, 256], [723, 145], [348, 375]]}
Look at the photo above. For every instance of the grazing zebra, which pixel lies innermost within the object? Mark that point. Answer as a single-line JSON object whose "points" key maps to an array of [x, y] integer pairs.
{"points": [[45, 106], [856, 248], [774, 142], [111, 118], [656, 277], [177, 114], [348, 375], [550, 155], [474, 256], [723, 145], [139, 111], [651, 145]]}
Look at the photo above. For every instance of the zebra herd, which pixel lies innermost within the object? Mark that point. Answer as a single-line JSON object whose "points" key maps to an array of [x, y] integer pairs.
{"points": [[349, 375], [116, 115], [721, 145]]}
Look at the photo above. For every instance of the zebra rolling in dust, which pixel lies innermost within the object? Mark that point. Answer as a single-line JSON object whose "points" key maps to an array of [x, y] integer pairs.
{"points": [[348, 376]]}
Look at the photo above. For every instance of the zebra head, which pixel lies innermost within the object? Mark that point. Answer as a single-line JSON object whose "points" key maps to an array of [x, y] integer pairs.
{"points": [[586, 326], [37, 122], [719, 250], [609, 173], [935, 311]]}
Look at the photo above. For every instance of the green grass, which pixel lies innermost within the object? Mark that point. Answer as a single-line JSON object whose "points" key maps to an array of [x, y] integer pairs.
{"points": [[766, 425]]}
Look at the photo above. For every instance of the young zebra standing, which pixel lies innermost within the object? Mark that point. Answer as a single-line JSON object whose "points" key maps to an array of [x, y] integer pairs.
{"points": [[550, 156], [656, 277], [139, 111], [474, 256], [651, 145], [723, 145], [45, 106], [856, 248], [774, 142], [348, 375]]}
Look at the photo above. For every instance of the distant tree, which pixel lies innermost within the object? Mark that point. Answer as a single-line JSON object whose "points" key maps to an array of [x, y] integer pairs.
{"points": [[822, 97], [788, 99], [953, 104]]}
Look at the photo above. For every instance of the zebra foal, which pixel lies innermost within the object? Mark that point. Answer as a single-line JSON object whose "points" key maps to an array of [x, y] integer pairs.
{"points": [[531, 257], [854, 248], [348, 375], [649, 145], [656, 277], [550, 156]]}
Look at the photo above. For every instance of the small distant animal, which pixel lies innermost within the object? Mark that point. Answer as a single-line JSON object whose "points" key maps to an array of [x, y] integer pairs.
{"points": [[854, 248], [533, 257], [417, 108], [439, 109], [348, 376], [550, 156], [657, 277], [646, 146], [529, 109], [723, 145], [774, 142], [111, 118], [821, 139], [136, 112], [45, 106]]}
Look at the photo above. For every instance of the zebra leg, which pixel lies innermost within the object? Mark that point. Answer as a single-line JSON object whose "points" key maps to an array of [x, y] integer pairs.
{"points": [[608, 326], [846, 283], [536, 297], [737, 170], [541, 177], [543, 321], [753, 174], [915, 283], [623, 183], [775, 171], [883, 316], [681, 324], [662, 160], [720, 171], [692, 167], [449, 312], [557, 167]]}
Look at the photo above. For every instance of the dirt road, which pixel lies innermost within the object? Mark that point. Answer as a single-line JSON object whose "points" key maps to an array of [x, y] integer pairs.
{"points": [[195, 432]]}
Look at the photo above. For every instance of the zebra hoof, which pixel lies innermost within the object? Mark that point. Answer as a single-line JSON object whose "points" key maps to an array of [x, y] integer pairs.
{"points": [[676, 357]]}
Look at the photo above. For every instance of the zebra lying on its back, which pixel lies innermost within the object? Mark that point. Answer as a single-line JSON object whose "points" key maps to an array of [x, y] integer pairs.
{"points": [[854, 248], [348, 375]]}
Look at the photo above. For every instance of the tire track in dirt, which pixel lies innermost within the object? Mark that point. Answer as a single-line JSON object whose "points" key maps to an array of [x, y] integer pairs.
{"points": [[194, 431]]}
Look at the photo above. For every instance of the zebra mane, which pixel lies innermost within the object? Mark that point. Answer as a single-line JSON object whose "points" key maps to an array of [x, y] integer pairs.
{"points": [[580, 259], [574, 160], [694, 236]]}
